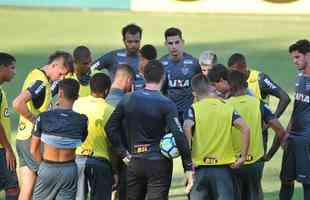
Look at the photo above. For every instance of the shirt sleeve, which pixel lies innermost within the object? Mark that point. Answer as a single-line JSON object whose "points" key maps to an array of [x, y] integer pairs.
{"points": [[54, 88], [267, 115], [114, 129], [104, 62], [235, 116], [85, 128], [37, 129], [36, 89], [180, 139], [189, 114], [268, 86]]}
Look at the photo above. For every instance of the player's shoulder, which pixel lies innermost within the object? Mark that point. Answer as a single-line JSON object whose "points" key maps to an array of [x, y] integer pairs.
{"points": [[189, 59], [164, 59]]}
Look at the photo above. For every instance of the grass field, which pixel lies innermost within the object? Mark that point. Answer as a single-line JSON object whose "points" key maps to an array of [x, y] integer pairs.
{"points": [[32, 34]]}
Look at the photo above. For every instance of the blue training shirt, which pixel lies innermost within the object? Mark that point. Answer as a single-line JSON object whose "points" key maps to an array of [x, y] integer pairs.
{"points": [[178, 79], [61, 128], [111, 60]]}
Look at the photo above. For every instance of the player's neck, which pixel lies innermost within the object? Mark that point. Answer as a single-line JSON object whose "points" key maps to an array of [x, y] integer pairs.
{"points": [[65, 104], [97, 95], [239, 93], [177, 57], [152, 86], [307, 70]]}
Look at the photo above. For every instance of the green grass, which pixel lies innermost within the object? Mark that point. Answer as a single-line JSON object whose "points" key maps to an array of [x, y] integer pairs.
{"points": [[32, 34]]}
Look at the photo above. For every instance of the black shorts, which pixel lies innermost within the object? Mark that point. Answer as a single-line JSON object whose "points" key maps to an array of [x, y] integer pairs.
{"points": [[149, 178], [8, 178], [296, 160], [247, 180]]}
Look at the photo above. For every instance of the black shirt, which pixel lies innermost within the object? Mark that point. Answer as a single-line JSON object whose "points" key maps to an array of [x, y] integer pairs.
{"points": [[147, 115]]}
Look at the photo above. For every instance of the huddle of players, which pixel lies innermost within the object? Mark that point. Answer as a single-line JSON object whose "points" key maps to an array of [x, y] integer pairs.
{"points": [[223, 126]]}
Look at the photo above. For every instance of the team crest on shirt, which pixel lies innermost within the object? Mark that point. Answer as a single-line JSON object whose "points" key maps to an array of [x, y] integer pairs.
{"points": [[188, 62], [185, 70], [6, 112], [164, 62], [121, 54]]}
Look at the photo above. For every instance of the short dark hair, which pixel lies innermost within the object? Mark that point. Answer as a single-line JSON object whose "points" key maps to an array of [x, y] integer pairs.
{"points": [[81, 52], [236, 58], [217, 72], [149, 52], [173, 32], [200, 84], [302, 46], [99, 83], [70, 88], [131, 29], [6, 59], [68, 59], [237, 80], [126, 68], [153, 72]]}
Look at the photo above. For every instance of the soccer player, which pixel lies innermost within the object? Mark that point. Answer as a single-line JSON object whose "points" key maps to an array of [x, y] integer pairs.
{"points": [[60, 130], [82, 73], [35, 97], [121, 85], [206, 60], [148, 172], [147, 53], [218, 76], [180, 67], [253, 111], [8, 177], [129, 55], [94, 160], [208, 127], [261, 86], [295, 161]]}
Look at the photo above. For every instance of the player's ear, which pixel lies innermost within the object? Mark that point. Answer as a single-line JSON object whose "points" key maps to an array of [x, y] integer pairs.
{"points": [[61, 93]]}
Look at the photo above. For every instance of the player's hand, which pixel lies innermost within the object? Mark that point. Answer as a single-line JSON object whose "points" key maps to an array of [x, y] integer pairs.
{"points": [[10, 159], [189, 181], [127, 158], [116, 180], [238, 162]]}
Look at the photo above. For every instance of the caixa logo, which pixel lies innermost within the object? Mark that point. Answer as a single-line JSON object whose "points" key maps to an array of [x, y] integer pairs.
{"points": [[281, 1]]}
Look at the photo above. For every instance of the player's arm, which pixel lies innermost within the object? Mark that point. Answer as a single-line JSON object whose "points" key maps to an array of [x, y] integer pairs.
{"points": [[181, 142], [274, 123], [175, 127], [104, 62], [240, 124], [36, 140], [268, 87], [188, 125], [113, 129], [31, 93]]}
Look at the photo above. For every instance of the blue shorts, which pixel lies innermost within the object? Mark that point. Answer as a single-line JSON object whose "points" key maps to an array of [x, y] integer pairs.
{"points": [[8, 178], [296, 160]]}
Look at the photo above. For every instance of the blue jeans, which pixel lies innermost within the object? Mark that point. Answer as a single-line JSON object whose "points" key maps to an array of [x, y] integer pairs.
{"points": [[212, 183]]}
